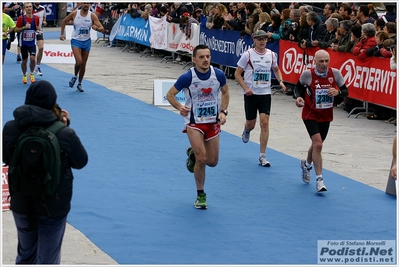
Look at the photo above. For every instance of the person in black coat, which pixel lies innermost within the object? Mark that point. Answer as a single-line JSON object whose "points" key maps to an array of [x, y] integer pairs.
{"points": [[43, 244], [317, 31]]}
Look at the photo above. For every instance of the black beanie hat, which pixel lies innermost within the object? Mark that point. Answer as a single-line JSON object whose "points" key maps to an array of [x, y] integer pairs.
{"points": [[41, 94]]}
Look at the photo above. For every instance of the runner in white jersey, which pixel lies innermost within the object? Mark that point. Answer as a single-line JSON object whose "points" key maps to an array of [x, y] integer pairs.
{"points": [[83, 21], [205, 110], [258, 63], [40, 12]]}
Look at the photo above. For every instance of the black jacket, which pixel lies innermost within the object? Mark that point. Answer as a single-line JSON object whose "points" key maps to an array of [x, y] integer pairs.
{"points": [[73, 155]]}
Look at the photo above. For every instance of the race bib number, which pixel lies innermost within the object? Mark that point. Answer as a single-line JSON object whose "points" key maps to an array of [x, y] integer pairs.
{"points": [[84, 30], [323, 101], [28, 36], [261, 77], [206, 111]]}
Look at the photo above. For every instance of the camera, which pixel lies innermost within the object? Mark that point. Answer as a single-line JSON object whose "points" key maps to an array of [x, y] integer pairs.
{"points": [[294, 25]]}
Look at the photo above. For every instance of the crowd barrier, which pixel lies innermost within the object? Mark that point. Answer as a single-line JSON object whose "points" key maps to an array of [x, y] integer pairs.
{"points": [[369, 80]]}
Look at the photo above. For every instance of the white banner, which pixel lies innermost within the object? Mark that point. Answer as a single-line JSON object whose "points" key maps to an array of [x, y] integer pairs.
{"points": [[58, 53], [177, 39], [159, 34], [161, 87]]}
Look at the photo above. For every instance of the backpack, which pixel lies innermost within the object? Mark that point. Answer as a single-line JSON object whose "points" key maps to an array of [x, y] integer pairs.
{"points": [[35, 168]]}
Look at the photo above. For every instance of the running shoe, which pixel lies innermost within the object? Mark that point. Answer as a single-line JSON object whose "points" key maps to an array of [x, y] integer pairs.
{"points": [[38, 71], [8, 44], [190, 162], [200, 202], [72, 81], [245, 135], [32, 78], [19, 58], [263, 161], [79, 88], [320, 187], [24, 79], [305, 175]]}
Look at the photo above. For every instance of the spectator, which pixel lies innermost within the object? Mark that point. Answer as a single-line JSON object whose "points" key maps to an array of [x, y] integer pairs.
{"points": [[216, 20], [332, 26], [344, 30], [186, 21], [252, 18], [147, 12], [372, 12], [345, 10], [285, 23], [390, 15], [264, 22], [356, 34], [238, 23], [293, 28], [154, 10], [233, 9], [316, 31], [198, 15], [337, 16], [176, 12], [379, 50], [163, 11], [329, 8], [274, 27], [303, 32], [390, 28], [363, 15], [393, 58], [353, 17], [304, 9], [366, 41], [379, 25]]}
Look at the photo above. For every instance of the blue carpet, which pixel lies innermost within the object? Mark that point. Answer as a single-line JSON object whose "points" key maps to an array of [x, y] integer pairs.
{"points": [[135, 197]]}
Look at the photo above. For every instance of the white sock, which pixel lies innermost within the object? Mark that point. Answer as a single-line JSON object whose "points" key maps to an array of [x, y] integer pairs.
{"points": [[319, 176], [307, 165]]}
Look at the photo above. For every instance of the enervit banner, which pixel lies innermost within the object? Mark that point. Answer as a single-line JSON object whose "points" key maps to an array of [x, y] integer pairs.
{"points": [[369, 80]]}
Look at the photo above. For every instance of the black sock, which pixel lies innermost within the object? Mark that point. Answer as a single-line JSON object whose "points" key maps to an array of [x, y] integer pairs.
{"points": [[200, 192]]}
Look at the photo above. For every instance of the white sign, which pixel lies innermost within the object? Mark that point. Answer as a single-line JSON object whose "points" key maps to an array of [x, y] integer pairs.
{"points": [[161, 87], [69, 30], [370, 252], [58, 53]]}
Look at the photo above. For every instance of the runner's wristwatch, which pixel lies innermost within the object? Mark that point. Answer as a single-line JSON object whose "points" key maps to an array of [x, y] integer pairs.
{"points": [[225, 112]]}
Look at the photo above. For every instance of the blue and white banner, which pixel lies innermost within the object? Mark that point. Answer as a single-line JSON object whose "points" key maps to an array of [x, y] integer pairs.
{"points": [[226, 46], [51, 10], [134, 30]]}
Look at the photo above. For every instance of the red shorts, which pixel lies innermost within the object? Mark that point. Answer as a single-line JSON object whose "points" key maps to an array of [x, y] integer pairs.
{"points": [[209, 130]]}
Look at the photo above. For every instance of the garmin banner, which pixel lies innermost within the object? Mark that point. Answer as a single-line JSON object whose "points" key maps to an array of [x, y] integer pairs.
{"points": [[134, 30]]}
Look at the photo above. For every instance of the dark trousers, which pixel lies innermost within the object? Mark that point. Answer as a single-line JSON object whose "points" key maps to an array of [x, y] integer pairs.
{"points": [[42, 246]]}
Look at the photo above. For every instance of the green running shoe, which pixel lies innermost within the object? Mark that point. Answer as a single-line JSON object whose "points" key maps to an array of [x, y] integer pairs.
{"points": [[200, 202], [190, 162]]}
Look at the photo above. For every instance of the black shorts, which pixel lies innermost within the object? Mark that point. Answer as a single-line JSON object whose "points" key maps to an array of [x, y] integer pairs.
{"points": [[39, 37], [315, 127], [255, 103], [28, 50]]}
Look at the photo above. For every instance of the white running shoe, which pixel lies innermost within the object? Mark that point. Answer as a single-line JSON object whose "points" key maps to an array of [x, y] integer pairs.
{"points": [[320, 187], [263, 161], [245, 135], [38, 71], [305, 175]]}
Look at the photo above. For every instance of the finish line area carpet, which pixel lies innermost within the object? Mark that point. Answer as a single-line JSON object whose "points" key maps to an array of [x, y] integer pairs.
{"points": [[135, 197]]}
